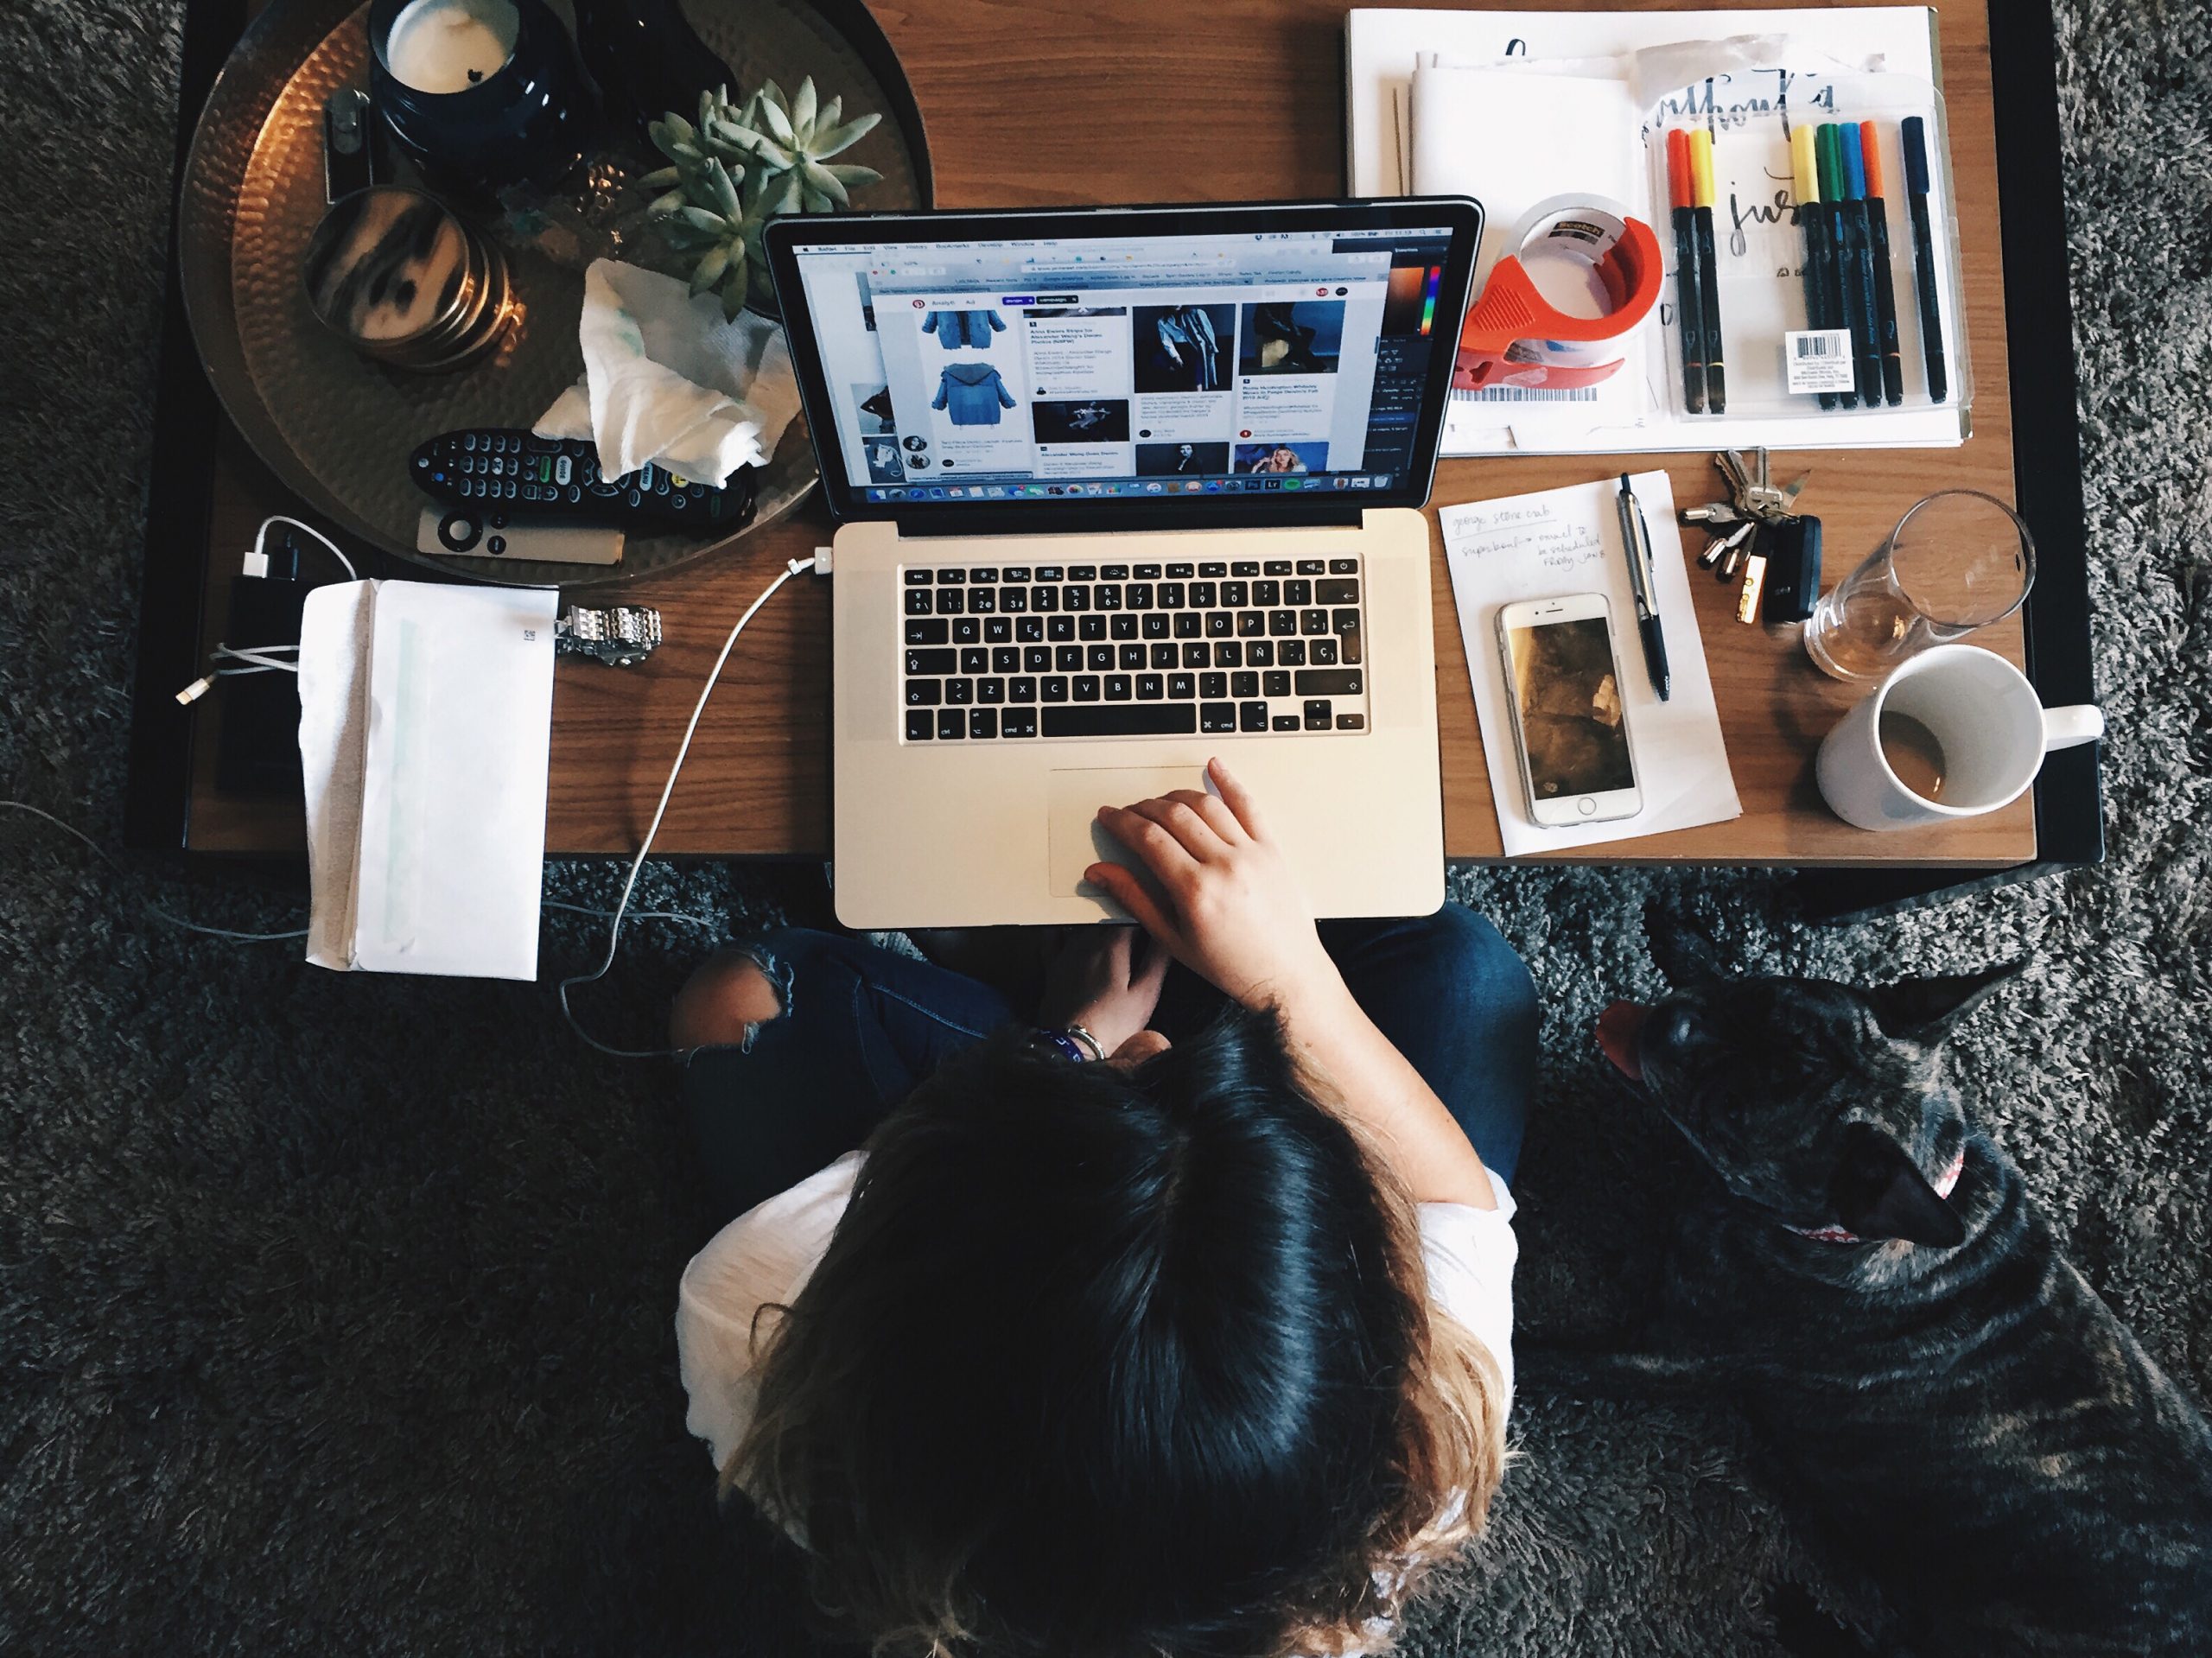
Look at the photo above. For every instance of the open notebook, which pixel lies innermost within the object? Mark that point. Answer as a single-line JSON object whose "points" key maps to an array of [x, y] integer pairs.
{"points": [[1520, 108]]}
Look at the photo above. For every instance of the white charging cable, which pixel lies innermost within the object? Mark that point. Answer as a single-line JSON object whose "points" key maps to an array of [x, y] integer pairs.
{"points": [[820, 561], [260, 658]]}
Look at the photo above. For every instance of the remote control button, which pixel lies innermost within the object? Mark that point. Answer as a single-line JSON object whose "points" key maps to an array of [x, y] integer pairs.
{"points": [[563, 469], [469, 439], [497, 545]]}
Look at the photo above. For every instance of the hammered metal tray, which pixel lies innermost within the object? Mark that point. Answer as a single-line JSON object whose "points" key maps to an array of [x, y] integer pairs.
{"points": [[336, 428]]}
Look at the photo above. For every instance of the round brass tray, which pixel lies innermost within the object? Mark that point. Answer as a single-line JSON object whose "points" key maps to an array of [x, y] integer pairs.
{"points": [[337, 428]]}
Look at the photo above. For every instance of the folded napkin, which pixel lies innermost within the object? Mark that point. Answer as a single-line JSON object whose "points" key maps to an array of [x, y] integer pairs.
{"points": [[669, 380]]}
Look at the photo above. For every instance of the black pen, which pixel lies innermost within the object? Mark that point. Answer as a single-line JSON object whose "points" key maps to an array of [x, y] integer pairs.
{"points": [[1689, 285], [1885, 287], [1644, 582], [1923, 256], [1707, 198]]}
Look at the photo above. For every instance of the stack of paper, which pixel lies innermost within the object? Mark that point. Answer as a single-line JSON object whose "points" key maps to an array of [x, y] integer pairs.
{"points": [[425, 730], [1568, 541]]}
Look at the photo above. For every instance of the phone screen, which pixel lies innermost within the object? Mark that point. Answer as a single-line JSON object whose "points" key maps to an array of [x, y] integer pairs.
{"points": [[1573, 728]]}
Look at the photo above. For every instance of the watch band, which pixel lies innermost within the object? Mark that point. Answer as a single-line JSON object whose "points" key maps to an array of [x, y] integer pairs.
{"points": [[1062, 1045], [1097, 1048]]}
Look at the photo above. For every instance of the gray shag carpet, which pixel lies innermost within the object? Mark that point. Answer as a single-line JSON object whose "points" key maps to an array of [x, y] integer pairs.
{"points": [[334, 1312]]}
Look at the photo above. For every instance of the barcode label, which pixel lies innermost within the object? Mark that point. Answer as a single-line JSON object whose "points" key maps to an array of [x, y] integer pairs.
{"points": [[1819, 360], [1529, 394]]}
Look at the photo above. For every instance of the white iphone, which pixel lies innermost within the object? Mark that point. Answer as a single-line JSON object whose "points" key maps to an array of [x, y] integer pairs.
{"points": [[1570, 718]]}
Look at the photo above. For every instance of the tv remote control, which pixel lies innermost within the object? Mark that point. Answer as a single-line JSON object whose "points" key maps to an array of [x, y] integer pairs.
{"points": [[560, 479]]}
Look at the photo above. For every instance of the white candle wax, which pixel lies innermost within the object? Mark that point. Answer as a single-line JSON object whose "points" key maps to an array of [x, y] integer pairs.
{"points": [[448, 46]]}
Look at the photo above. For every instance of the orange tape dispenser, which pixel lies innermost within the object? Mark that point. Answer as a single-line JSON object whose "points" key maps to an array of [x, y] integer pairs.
{"points": [[1515, 336]]}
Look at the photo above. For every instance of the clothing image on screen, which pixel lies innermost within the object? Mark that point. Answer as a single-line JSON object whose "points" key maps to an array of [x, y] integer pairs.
{"points": [[1572, 724], [1172, 460], [1081, 420], [883, 465], [1281, 457], [1182, 347], [873, 401], [972, 394], [954, 329], [1292, 337]]}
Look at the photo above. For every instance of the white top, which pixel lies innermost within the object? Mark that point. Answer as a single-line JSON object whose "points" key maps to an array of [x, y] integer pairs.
{"points": [[766, 1255]]}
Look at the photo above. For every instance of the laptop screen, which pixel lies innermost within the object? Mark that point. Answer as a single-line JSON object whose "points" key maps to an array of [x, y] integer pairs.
{"points": [[1214, 357]]}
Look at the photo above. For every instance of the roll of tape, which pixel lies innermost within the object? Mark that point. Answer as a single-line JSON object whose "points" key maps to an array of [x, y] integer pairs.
{"points": [[1516, 337]]}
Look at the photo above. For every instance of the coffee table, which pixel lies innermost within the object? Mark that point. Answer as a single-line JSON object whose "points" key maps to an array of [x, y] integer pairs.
{"points": [[1137, 100]]}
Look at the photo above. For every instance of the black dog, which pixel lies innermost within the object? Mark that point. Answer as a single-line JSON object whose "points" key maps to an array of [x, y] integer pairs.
{"points": [[1868, 1273]]}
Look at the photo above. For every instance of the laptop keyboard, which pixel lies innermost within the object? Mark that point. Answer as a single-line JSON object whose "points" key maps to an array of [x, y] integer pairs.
{"points": [[1217, 648]]}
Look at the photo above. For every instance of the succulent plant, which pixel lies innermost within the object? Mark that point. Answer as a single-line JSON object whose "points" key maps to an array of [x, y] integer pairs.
{"points": [[737, 167]]}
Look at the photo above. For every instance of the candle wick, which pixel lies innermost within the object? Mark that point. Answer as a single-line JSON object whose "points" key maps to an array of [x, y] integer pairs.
{"points": [[475, 75]]}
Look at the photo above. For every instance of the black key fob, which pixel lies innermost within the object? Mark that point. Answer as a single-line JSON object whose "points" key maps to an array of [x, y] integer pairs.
{"points": [[1793, 570]]}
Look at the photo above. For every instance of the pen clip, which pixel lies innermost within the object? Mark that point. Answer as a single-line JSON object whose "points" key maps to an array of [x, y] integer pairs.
{"points": [[1636, 542]]}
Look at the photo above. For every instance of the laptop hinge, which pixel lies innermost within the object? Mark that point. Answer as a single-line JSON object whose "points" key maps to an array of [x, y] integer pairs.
{"points": [[1048, 521]]}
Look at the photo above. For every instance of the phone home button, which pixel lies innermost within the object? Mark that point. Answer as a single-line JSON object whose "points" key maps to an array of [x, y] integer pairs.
{"points": [[1586, 806]]}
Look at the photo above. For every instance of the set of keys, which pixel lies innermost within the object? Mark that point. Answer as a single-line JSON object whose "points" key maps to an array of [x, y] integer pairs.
{"points": [[1757, 535]]}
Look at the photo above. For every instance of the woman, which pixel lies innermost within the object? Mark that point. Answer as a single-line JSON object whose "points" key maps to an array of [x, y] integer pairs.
{"points": [[1182, 1328]]}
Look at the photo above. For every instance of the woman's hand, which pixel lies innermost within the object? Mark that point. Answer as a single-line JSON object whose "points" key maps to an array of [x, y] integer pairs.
{"points": [[1222, 897], [1107, 979]]}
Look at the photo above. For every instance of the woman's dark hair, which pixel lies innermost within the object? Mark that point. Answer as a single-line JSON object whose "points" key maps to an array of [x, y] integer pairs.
{"points": [[1104, 1361]]}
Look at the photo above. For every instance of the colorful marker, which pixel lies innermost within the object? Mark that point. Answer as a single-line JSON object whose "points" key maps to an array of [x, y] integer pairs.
{"points": [[1866, 322], [1707, 198], [1923, 256], [1846, 288], [1885, 287], [1689, 288], [1819, 252]]}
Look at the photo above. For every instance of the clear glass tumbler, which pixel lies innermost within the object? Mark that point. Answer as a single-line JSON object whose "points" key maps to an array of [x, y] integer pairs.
{"points": [[1958, 561]]}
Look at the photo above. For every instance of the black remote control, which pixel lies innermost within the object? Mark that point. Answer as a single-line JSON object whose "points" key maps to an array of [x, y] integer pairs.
{"points": [[560, 477]]}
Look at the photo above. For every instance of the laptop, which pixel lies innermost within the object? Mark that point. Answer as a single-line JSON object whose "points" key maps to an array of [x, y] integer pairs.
{"points": [[1117, 490]]}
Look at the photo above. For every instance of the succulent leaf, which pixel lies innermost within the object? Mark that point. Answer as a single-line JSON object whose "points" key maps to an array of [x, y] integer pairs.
{"points": [[778, 123], [835, 140], [804, 106]]}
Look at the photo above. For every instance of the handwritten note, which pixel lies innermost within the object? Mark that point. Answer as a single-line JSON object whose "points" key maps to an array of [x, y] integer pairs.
{"points": [[1567, 541]]}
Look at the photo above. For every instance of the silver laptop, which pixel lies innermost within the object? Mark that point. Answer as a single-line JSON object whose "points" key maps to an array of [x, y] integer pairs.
{"points": [[1118, 491]]}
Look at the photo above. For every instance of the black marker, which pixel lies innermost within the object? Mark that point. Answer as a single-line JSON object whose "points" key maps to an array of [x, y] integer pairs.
{"points": [[1923, 256]]}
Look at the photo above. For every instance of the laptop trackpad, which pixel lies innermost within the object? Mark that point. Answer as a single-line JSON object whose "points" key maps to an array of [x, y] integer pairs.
{"points": [[1078, 840]]}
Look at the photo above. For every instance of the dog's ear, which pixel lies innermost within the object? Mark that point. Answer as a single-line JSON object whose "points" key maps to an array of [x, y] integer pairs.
{"points": [[1686, 959], [1879, 1193], [1925, 1009]]}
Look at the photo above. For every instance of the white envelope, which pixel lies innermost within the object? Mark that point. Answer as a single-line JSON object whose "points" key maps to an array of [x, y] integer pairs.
{"points": [[425, 729]]}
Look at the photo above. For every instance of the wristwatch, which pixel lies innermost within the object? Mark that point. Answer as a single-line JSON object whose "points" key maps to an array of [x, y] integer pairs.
{"points": [[1073, 1042]]}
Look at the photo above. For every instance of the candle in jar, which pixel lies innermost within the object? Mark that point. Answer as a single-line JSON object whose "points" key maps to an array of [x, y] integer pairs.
{"points": [[448, 46]]}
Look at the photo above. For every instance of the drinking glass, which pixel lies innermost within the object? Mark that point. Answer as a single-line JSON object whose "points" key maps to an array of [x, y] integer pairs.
{"points": [[1958, 561]]}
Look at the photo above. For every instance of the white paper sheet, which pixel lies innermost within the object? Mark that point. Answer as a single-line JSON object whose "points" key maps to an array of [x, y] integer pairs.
{"points": [[1567, 541]]}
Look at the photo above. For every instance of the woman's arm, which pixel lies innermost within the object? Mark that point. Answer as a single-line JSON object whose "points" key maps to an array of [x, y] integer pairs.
{"points": [[1224, 903]]}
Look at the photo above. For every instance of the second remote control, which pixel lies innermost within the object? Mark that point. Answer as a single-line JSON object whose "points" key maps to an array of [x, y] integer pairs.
{"points": [[560, 477]]}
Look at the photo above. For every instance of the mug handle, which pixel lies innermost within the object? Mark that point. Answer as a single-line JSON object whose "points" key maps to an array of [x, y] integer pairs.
{"points": [[2069, 727]]}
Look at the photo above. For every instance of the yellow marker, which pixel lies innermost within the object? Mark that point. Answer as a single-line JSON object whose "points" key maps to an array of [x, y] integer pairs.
{"points": [[1701, 168], [1707, 198], [1805, 162]]}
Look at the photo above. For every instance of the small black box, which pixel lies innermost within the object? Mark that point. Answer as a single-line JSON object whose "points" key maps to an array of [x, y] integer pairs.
{"points": [[1793, 571]]}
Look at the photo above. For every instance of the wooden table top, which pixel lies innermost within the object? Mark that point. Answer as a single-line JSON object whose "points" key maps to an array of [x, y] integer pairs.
{"points": [[1094, 101]]}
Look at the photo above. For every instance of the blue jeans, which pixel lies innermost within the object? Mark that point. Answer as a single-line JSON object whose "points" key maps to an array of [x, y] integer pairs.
{"points": [[862, 1026]]}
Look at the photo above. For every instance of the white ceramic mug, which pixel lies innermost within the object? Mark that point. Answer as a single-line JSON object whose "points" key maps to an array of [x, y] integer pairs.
{"points": [[1994, 729]]}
